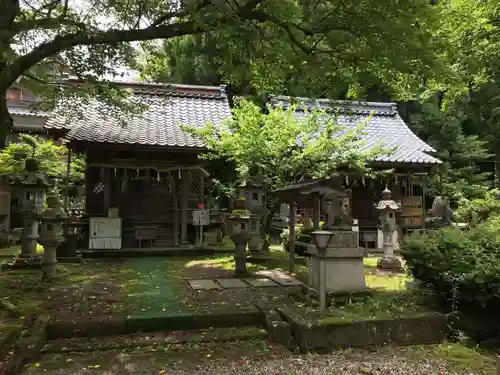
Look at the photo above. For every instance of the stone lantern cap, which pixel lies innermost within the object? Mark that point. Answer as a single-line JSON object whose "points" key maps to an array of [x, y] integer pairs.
{"points": [[54, 211], [31, 179], [387, 203], [251, 183], [240, 212]]}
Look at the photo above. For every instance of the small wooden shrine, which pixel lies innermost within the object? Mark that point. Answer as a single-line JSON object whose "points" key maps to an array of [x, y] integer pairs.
{"points": [[144, 178], [409, 162]]}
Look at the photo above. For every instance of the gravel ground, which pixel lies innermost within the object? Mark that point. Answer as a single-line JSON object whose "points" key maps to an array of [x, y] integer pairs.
{"points": [[258, 358]]}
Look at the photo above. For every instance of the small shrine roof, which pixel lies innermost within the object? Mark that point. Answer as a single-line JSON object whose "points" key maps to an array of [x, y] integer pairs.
{"points": [[168, 107], [307, 189]]}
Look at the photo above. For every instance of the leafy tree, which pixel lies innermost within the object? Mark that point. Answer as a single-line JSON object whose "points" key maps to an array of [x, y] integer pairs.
{"points": [[461, 152], [363, 39], [42, 38], [279, 148], [51, 159]]}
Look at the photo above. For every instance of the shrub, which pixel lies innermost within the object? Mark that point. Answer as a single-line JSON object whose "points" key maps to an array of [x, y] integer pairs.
{"points": [[462, 268], [479, 209]]}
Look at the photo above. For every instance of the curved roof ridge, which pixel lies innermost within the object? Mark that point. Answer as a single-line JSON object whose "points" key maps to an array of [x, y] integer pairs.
{"points": [[384, 126]]}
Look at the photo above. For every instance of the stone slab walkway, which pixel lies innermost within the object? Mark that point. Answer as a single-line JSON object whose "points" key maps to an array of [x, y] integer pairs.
{"points": [[272, 279], [204, 285], [261, 283], [281, 278], [232, 283]]}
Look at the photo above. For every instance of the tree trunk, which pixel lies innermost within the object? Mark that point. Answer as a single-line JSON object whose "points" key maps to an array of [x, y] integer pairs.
{"points": [[267, 227], [6, 121]]}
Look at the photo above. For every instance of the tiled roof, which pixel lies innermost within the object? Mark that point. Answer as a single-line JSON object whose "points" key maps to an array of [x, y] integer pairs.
{"points": [[27, 118], [168, 107], [18, 109], [385, 127]]}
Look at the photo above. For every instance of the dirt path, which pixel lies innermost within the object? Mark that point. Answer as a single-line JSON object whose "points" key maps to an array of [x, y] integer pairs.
{"points": [[258, 358]]}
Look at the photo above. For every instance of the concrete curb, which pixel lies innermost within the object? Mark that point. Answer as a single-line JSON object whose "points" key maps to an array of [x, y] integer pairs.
{"points": [[117, 325], [429, 328]]}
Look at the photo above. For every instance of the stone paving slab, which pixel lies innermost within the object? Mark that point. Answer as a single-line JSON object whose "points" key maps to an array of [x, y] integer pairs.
{"points": [[232, 283], [260, 283], [204, 285], [281, 278]]}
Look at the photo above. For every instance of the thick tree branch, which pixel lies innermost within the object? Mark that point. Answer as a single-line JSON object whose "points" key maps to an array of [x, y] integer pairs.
{"points": [[112, 37], [115, 36], [46, 23], [180, 14]]}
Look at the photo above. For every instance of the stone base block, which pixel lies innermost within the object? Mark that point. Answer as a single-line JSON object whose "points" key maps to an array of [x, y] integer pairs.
{"points": [[343, 267], [392, 264]]}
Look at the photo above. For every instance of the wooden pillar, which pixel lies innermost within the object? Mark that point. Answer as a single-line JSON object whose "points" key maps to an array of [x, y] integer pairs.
{"points": [[107, 190], [316, 212], [68, 172], [202, 187], [175, 212], [291, 239], [184, 203]]}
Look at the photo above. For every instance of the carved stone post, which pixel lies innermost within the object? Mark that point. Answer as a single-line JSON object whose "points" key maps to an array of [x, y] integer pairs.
{"points": [[238, 228], [387, 208], [29, 236], [51, 234], [32, 191]]}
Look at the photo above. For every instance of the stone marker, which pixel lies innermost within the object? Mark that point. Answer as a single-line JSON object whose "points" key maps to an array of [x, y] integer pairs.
{"points": [[260, 283], [281, 278], [204, 284], [232, 283]]}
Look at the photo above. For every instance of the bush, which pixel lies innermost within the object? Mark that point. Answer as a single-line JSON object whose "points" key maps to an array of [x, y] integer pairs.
{"points": [[479, 209], [462, 268]]}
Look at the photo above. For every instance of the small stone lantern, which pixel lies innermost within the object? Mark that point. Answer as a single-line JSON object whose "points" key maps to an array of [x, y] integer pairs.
{"points": [[239, 232], [387, 208], [31, 187], [51, 233], [253, 194]]}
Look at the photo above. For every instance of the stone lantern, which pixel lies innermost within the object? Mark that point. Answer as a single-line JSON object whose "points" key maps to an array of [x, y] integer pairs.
{"points": [[387, 208], [31, 192], [239, 232], [253, 195], [51, 233]]}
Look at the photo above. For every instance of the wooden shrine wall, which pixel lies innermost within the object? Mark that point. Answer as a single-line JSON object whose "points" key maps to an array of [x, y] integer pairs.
{"points": [[142, 184]]}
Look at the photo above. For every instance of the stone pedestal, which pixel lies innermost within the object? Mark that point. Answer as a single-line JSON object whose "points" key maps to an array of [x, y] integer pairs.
{"points": [[344, 270], [343, 265], [240, 255], [68, 248], [212, 237], [49, 261], [29, 237], [255, 247], [389, 262]]}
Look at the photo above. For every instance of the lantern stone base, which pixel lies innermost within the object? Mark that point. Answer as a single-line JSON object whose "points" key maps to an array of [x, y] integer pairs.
{"points": [[344, 269], [49, 262], [23, 263], [212, 237], [255, 248], [391, 263]]}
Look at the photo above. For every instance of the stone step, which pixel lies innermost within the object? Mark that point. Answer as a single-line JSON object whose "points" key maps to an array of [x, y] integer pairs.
{"points": [[159, 359], [154, 339]]}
